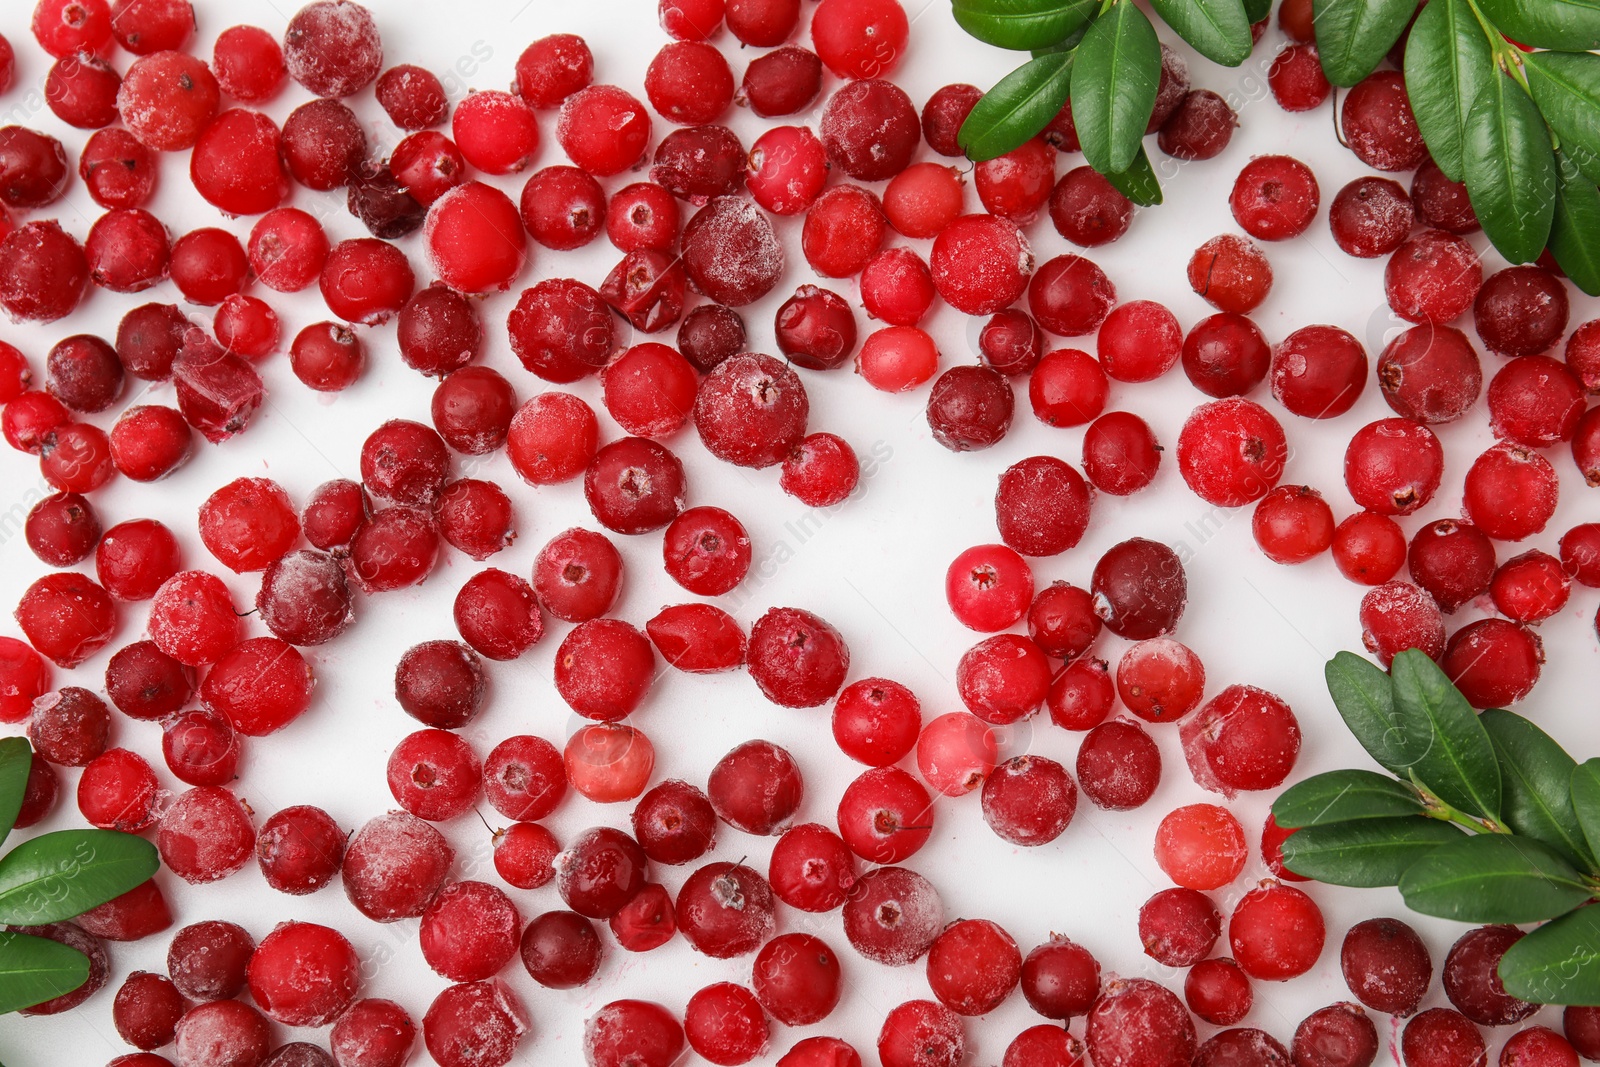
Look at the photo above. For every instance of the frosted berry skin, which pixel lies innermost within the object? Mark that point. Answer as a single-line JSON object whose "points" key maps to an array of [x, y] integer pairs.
{"points": [[166, 99], [1393, 466], [1218, 992], [1003, 679], [921, 1033], [707, 551], [472, 407], [1510, 492], [303, 974], [796, 658], [475, 1024], [205, 835], [1531, 587], [1200, 127], [1378, 125], [1535, 401], [394, 866], [885, 815], [811, 868], [1440, 1036], [1275, 198], [1297, 80], [128, 251], [1138, 1023], [1454, 561], [1433, 277], [116, 169], [332, 48], [1139, 342], [1396, 616], [236, 166], [577, 575], [724, 1024], [69, 727], [66, 617], [970, 407], [674, 823], [1029, 800], [227, 1031], [632, 1033], [476, 242], [981, 264], [756, 788], [603, 129], [560, 950], [147, 1010], [973, 965], [1118, 765], [118, 791], [1386, 966], [1231, 452], [893, 915], [44, 273], [1178, 927], [604, 668], [248, 64], [1339, 1035], [287, 250], [262, 684], [440, 683], [1230, 273], [496, 613], [470, 931], [725, 910], [1088, 210], [1160, 680], [1494, 662], [1276, 932], [1069, 295], [299, 849], [1371, 217], [1140, 589], [553, 68], [1537, 1045], [1042, 506], [1244, 738], [1430, 373]]}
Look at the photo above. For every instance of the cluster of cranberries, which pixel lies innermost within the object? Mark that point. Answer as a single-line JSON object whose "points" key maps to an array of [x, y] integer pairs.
{"points": [[208, 684]]}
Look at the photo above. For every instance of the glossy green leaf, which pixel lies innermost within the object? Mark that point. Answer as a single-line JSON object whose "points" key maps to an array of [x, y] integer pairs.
{"points": [[1022, 24], [1018, 107], [1584, 790], [16, 758], [1114, 86], [1365, 698], [1535, 781], [1354, 35], [1218, 29], [1447, 61], [1256, 10], [1339, 796], [1458, 764], [1575, 228], [1566, 86], [1367, 852], [1139, 182], [36, 969], [1559, 963], [1570, 25], [1510, 170], [1493, 878], [59, 875]]}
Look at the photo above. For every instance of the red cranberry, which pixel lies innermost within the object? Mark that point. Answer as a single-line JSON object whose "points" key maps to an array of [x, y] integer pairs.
{"points": [[796, 978], [1088, 210], [811, 868], [1396, 616], [1371, 216], [248, 63], [147, 1010], [796, 658], [332, 48], [923, 199], [200, 747], [633, 1033], [1386, 965], [394, 866], [118, 791], [474, 1024], [1493, 662], [224, 1032], [1276, 932], [1201, 846], [1218, 991], [435, 775], [1200, 126], [248, 524], [1510, 492], [674, 823], [1430, 373], [1230, 274], [609, 762], [885, 815], [412, 97], [1296, 78], [603, 129], [118, 171], [604, 668], [62, 529], [1393, 466], [470, 931], [67, 617], [921, 1033], [560, 949], [784, 81], [892, 915], [1433, 277], [756, 788], [287, 249], [842, 230], [943, 115], [1339, 1035], [525, 855], [1452, 560], [1003, 679], [303, 974], [553, 68], [989, 587], [1178, 927], [1378, 125], [365, 280], [1293, 524], [1029, 800], [1118, 766], [33, 168], [1535, 401], [970, 408], [577, 575], [1140, 1024], [981, 263], [206, 835], [1275, 198], [1530, 588], [955, 752], [496, 613], [43, 272], [300, 849], [69, 727], [725, 910]]}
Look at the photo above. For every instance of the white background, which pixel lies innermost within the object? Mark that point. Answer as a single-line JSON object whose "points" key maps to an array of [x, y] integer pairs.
{"points": [[874, 567]]}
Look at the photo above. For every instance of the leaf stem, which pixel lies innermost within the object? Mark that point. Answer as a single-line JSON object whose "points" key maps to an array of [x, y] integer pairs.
{"points": [[1506, 55], [1434, 808]]}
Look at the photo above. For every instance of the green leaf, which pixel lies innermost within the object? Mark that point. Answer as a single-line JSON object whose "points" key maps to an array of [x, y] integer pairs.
{"points": [[16, 759], [1218, 29], [1458, 765], [1114, 86], [1570, 25], [36, 969], [1559, 963], [1256, 10], [1575, 229], [1340, 796], [1584, 790], [1493, 878], [59, 875], [1018, 107], [1510, 169], [1022, 24], [1447, 61], [1536, 779], [1353, 35], [1138, 183], [1566, 87], [1367, 852], [1365, 698]]}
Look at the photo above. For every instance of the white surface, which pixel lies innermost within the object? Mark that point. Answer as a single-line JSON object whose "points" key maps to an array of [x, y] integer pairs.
{"points": [[873, 567]]}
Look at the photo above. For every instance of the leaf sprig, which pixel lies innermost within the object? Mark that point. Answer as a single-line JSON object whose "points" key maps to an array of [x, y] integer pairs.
{"points": [[51, 878], [1520, 128], [1483, 818]]}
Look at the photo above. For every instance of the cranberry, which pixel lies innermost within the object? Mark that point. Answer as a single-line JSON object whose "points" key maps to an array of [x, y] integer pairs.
{"points": [[923, 199], [470, 931], [248, 524], [731, 253], [496, 613], [1120, 453], [412, 97], [332, 48], [842, 230], [261, 685], [1275, 198], [796, 979], [981, 263], [475, 238], [1430, 373], [303, 974], [525, 855], [1537, 1045], [1535, 401], [725, 910], [425, 166], [1201, 846], [552, 438], [118, 171], [811, 868], [1178, 927], [1371, 216], [560, 949], [1118, 765], [236, 164], [921, 1033], [1139, 341], [553, 68], [167, 99], [148, 442], [1378, 125], [1454, 561], [67, 617], [609, 762], [955, 752], [118, 791], [970, 408], [1433, 277], [1386, 965], [632, 1033], [1440, 1037], [885, 815], [224, 1032], [127, 251], [206, 835], [1276, 932], [604, 668], [76, 458], [577, 575], [603, 129], [69, 727], [1016, 185], [1393, 466], [892, 915], [1044, 1045], [1071, 296], [1493, 662], [474, 1024], [1441, 202], [394, 866], [1530, 588], [145, 683], [1510, 492], [674, 823], [300, 849], [712, 333], [248, 63], [208, 960], [1293, 524], [1088, 210], [435, 775], [782, 82], [1003, 679], [1230, 274], [796, 658], [1217, 991], [1060, 979], [1339, 1035], [1586, 448], [1296, 78], [1160, 680], [1396, 616], [33, 168], [372, 1033], [702, 162], [287, 249], [1521, 311], [988, 587], [1138, 1023], [943, 115], [1583, 356], [473, 407], [62, 529], [147, 1010], [1068, 388], [1582, 1027], [756, 788], [247, 326], [43, 273], [1231, 452], [1029, 800], [364, 281], [1200, 126], [200, 747], [724, 1023]]}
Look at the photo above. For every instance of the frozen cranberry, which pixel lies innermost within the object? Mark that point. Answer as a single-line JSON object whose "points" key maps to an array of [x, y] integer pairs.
{"points": [[1178, 927], [332, 48], [1393, 466], [892, 915], [470, 931], [496, 613], [435, 775], [118, 171], [1296, 78], [1230, 274], [1580, 553], [896, 287], [33, 168], [476, 517], [1441, 202], [988, 587], [145, 683], [1200, 126], [1371, 216], [473, 407], [981, 263], [876, 721], [1454, 561], [24, 678], [1583, 355], [261, 685], [1535, 401], [1430, 373], [69, 727], [796, 979], [1537, 1045], [200, 747], [62, 529], [1276, 932], [394, 866], [208, 960], [921, 1033], [365, 280], [1339, 1035], [1138, 1023], [1029, 800], [897, 359], [147, 1010], [1396, 616], [525, 855], [1160, 680], [609, 762], [1433, 277], [1218, 991], [1088, 210], [236, 164], [424, 166], [970, 407], [1062, 621], [383, 203], [1293, 524], [1012, 343], [781, 82], [1586, 448], [756, 788], [1043, 1046], [1386, 965], [553, 68], [712, 333], [248, 524], [333, 514], [247, 326], [1120, 453], [577, 575], [562, 330], [811, 868], [1472, 982], [1275, 198], [885, 815], [300, 849], [82, 91], [1510, 492], [303, 974], [688, 82], [731, 253], [127, 251], [76, 458], [475, 239], [287, 249], [1060, 979], [842, 230], [600, 872], [67, 617], [603, 129], [226, 1032], [923, 199], [725, 1024], [955, 752], [1520, 311], [1494, 663], [1231, 452], [1071, 296], [1201, 846], [1440, 1037], [148, 442], [632, 1033], [725, 910], [674, 823], [119, 791], [796, 658], [372, 1033], [248, 63], [496, 131], [973, 965], [871, 129], [209, 265], [1003, 679], [206, 835], [474, 1024], [821, 472], [604, 668], [1140, 589], [552, 438], [1378, 125], [167, 99], [1016, 185], [1244, 738], [1139, 341], [1530, 588], [43, 273], [560, 950], [943, 115], [563, 208]]}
